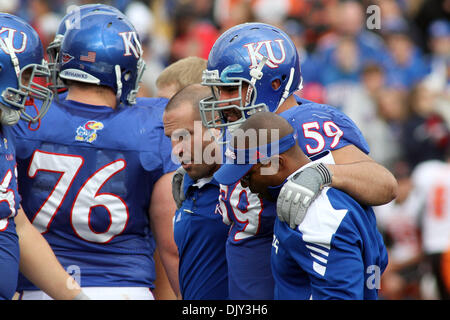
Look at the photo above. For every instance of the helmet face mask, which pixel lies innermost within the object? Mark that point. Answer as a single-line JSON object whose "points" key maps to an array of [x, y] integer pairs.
{"points": [[213, 109], [252, 56], [53, 49], [30, 88], [23, 72], [131, 98]]}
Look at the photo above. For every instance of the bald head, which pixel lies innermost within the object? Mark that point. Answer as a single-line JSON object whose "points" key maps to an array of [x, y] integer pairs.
{"points": [[263, 152], [260, 129], [268, 120]]}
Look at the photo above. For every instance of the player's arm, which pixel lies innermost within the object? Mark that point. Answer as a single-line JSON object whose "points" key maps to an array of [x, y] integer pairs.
{"points": [[361, 177], [163, 289], [354, 172], [38, 263], [333, 259], [162, 209], [344, 276]]}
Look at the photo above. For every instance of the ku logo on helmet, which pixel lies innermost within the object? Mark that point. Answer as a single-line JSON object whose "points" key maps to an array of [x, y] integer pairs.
{"points": [[131, 47], [256, 56], [10, 39]]}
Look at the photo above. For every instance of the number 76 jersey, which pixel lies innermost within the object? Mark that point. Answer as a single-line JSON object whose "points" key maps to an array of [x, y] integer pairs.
{"points": [[86, 178]]}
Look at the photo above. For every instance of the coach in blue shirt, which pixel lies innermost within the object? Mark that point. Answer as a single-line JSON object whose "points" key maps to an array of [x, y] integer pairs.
{"points": [[336, 252], [199, 231]]}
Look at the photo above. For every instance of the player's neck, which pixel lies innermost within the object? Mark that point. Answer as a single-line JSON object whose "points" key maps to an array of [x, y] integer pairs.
{"points": [[94, 96], [297, 160]]}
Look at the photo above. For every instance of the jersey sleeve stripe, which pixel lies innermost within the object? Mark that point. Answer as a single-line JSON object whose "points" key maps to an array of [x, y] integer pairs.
{"points": [[315, 256], [317, 250]]}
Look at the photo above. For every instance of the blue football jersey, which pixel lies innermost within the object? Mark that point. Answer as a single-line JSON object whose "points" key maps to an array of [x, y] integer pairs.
{"points": [[9, 258], [200, 236], [9, 204], [335, 253], [320, 128], [86, 176], [9, 196], [249, 241]]}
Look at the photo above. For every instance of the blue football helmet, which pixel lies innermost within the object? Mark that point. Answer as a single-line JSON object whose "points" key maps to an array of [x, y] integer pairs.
{"points": [[105, 51], [253, 55], [23, 71], [70, 20]]}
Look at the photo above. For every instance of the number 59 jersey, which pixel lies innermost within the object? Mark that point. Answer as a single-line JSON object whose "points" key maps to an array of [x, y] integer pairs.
{"points": [[86, 178]]}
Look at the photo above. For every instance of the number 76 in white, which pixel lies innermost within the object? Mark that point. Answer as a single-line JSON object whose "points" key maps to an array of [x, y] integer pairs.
{"points": [[87, 198]]}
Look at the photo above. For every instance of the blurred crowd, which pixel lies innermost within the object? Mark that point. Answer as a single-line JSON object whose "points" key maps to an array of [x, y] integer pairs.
{"points": [[385, 63]]}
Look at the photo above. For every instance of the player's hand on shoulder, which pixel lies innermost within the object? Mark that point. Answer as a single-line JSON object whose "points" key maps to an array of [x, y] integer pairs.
{"points": [[300, 191]]}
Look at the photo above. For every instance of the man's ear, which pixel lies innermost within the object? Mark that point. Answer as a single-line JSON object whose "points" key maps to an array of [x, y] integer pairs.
{"points": [[273, 165]]}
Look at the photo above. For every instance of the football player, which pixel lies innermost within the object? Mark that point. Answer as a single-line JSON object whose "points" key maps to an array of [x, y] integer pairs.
{"points": [[172, 79], [199, 232], [72, 20], [336, 252], [179, 75], [255, 67], [22, 73], [96, 176], [431, 210]]}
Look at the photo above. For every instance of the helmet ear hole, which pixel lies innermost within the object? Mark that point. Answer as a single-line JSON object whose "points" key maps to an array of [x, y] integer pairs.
{"points": [[276, 84]]}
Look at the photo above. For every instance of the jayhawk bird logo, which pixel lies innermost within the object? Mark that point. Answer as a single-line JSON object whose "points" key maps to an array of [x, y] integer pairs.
{"points": [[88, 131]]}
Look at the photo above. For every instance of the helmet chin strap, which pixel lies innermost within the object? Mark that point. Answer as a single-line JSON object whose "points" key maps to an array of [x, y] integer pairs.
{"points": [[10, 116], [118, 81], [12, 54], [256, 74], [286, 89], [131, 99]]}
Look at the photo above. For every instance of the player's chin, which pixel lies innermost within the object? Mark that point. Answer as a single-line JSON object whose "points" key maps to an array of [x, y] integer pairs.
{"points": [[195, 172], [232, 115], [232, 118], [264, 195], [256, 190], [187, 166]]}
